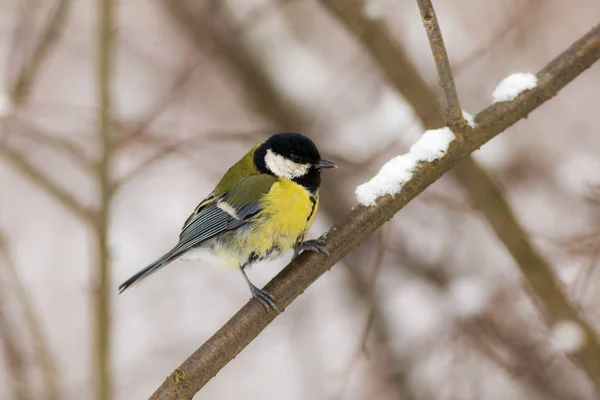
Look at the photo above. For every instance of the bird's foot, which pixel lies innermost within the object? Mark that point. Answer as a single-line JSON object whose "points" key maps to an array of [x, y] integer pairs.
{"points": [[317, 245], [265, 298]]}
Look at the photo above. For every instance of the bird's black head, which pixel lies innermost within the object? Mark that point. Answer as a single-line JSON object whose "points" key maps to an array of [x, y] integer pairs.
{"points": [[292, 156]]}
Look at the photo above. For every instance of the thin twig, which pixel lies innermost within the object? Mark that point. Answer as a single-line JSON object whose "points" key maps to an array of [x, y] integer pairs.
{"points": [[442, 63], [244, 326]]}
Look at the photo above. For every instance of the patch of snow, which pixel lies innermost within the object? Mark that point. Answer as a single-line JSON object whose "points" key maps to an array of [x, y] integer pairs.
{"points": [[567, 336], [432, 145], [469, 118], [513, 85]]}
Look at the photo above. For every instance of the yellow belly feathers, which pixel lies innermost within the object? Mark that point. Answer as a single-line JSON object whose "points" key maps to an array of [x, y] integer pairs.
{"points": [[288, 211]]}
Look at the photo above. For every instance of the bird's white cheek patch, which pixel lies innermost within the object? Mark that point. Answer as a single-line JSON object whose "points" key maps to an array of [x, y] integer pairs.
{"points": [[283, 167]]}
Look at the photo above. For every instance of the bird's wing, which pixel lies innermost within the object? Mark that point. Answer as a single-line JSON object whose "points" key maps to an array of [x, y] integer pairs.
{"points": [[218, 214]]}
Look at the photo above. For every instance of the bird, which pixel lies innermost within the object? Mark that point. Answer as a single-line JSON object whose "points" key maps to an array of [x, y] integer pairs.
{"points": [[262, 207]]}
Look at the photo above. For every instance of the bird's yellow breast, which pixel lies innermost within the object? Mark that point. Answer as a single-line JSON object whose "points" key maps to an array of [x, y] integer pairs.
{"points": [[288, 211]]}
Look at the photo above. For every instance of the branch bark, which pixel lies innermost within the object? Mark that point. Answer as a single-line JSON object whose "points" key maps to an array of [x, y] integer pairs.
{"points": [[247, 323]]}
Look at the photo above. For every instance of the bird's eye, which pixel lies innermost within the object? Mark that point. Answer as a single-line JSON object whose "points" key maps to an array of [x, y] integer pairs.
{"points": [[295, 158]]}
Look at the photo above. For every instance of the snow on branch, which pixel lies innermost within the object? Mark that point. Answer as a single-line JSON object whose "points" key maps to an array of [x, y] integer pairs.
{"points": [[513, 85], [432, 145]]}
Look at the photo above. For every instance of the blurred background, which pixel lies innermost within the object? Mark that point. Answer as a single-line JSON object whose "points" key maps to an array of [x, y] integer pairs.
{"points": [[431, 307]]}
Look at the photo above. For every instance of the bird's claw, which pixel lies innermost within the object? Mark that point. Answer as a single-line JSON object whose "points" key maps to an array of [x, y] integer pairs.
{"points": [[317, 245], [265, 298]]}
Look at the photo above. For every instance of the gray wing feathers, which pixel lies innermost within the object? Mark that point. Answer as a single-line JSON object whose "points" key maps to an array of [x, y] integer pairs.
{"points": [[210, 222]]}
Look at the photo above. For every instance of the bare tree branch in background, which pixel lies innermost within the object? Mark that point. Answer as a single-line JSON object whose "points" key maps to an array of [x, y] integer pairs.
{"points": [[178, 87], [36, 134], [203, 36], [501, 336], [243, 327], [529, 362], [101, 362], [39, 178], [14, 354], [19, 94], [43, 353], [167, 149], [20, 38], [377, 325], [49, 38], [516, 21]]}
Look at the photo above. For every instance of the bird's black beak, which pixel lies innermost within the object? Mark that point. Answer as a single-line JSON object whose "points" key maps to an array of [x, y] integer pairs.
{"points": [[325, 164]]}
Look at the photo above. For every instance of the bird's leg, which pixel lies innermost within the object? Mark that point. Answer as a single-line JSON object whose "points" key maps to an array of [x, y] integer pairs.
{"points": [[311, 245], [265, 298]]}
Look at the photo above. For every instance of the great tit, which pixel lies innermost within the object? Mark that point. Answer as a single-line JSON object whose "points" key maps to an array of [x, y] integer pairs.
{"points": [[263, 207]]}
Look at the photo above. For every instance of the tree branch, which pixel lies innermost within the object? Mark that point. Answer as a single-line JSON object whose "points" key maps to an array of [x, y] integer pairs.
{"points": [[101, 362], [247, 323], [454, 116]]}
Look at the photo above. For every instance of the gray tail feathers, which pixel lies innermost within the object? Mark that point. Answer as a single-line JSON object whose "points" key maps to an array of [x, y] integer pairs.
{"points": [[146, 272]]}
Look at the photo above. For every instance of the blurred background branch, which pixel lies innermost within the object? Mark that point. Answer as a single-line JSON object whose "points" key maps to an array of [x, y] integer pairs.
{"points": [[101, 283], [48, 39], [13, 285]]}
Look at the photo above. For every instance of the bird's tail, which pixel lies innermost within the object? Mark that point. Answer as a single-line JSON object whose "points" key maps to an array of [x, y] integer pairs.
{"points": [[146, 272]]}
